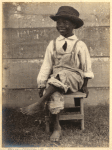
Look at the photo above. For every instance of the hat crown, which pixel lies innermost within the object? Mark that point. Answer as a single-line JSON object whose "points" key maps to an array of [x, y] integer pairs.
{"points": [[67, 10]]}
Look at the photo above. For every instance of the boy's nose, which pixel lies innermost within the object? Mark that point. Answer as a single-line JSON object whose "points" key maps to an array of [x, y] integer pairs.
{"points": [[61, 24]]}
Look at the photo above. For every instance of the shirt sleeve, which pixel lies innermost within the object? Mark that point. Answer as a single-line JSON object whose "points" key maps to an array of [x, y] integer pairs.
{"points": [[46, 67], [85, 60]]}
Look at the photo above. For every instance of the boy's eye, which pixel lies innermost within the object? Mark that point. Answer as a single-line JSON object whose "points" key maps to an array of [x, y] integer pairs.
{"points": [[66, 22], [62, 22]]}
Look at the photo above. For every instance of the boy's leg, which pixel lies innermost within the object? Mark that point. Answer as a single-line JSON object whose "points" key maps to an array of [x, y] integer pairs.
{"points": [[36, 107], [57, 128]]}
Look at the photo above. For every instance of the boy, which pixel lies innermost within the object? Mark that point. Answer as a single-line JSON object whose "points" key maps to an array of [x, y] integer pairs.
{"points": [[69, 61]]}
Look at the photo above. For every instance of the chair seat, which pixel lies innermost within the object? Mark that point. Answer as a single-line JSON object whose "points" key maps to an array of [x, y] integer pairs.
{"points": [[76, 95], [69, 99]]}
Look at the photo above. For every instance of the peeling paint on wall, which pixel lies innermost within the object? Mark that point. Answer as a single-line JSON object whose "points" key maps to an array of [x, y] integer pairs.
{"points": [[37, 15], [18, 8], [18, 16], [100, 59]]}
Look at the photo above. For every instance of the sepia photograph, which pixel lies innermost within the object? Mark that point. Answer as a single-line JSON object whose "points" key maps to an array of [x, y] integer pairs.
{"points": [[55, 74]]}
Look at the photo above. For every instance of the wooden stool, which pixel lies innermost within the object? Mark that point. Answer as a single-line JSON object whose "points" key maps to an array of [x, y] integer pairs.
{"points": [[72, 101]]}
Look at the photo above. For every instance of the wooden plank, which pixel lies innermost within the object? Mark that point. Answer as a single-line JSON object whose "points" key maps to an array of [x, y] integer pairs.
{"points": [[19, 97], [34, 21], [23, 97], [46, 34], [24, 50], [22, 73], [97, 40], [52, 7], [32, 43], [26, 35], [71, 117], [76, 95], [101, 70], [32, 15], [37, 50]]}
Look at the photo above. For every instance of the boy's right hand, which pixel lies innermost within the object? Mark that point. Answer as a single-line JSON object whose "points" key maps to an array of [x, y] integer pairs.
{"points": [[41, 92]]}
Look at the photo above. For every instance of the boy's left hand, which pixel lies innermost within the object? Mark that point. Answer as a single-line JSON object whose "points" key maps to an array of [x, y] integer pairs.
{"points": [[41, 92], [84, 89]]}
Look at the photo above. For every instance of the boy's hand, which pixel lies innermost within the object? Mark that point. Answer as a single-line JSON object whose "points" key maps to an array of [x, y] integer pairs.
{"points": [[41, 92], [85, 90]]}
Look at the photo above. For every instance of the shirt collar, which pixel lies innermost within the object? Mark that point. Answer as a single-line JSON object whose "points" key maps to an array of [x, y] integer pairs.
{"points": [[73, 37]]}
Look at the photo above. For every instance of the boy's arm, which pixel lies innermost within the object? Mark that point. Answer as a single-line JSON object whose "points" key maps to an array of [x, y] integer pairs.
{"points": [[85, 62], [45, 69]]}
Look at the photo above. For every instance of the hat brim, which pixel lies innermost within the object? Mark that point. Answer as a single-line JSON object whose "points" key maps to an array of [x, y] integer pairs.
{"points": [[77, 21]]}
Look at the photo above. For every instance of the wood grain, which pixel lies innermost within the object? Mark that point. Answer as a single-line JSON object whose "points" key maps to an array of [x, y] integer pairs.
{"points": [[22, 73], [71, 117], [32, 43]]}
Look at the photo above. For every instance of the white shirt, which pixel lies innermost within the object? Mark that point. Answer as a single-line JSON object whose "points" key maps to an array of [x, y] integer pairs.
{"points": [[47, 65]]}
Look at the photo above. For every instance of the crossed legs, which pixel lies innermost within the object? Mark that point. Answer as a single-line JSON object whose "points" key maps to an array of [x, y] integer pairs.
{"points": [[36, 107]]}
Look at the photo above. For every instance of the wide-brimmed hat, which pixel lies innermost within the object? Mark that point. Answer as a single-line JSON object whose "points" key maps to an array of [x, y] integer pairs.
{"points": [[69, 13]]}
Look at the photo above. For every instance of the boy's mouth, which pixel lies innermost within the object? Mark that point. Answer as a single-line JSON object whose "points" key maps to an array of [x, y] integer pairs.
{"points": [[61, 30]]}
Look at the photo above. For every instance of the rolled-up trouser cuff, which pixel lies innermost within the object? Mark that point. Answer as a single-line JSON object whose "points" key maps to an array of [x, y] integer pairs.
{"points": [[56, 103]]}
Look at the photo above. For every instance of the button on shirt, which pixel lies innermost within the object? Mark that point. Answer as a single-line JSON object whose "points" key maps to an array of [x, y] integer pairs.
{"points": [[47, 65]]}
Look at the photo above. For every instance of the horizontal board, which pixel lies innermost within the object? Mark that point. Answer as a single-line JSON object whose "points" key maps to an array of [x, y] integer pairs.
{"points": [[76, 95], [71, 117], [24, 97], [32, 15], [22, 73], [24, 50], [32, 43]]}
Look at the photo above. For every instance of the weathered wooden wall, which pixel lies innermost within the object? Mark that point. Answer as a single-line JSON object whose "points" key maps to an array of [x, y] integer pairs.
{"points": [[27, 30]]}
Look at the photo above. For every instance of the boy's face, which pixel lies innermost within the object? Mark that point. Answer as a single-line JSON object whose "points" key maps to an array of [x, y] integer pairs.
{"points": [[65, 27]]}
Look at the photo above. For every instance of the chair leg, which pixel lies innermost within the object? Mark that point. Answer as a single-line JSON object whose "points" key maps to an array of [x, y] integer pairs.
{"points": [[47, 128], [47, 119], [82, 112], [82, 124]]}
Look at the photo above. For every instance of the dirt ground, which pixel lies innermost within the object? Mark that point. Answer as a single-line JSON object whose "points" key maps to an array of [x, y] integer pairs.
{"points": [[29, 131]]}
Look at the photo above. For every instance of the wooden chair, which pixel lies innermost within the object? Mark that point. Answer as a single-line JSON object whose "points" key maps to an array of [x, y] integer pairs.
{"points": [[72, 101]]}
